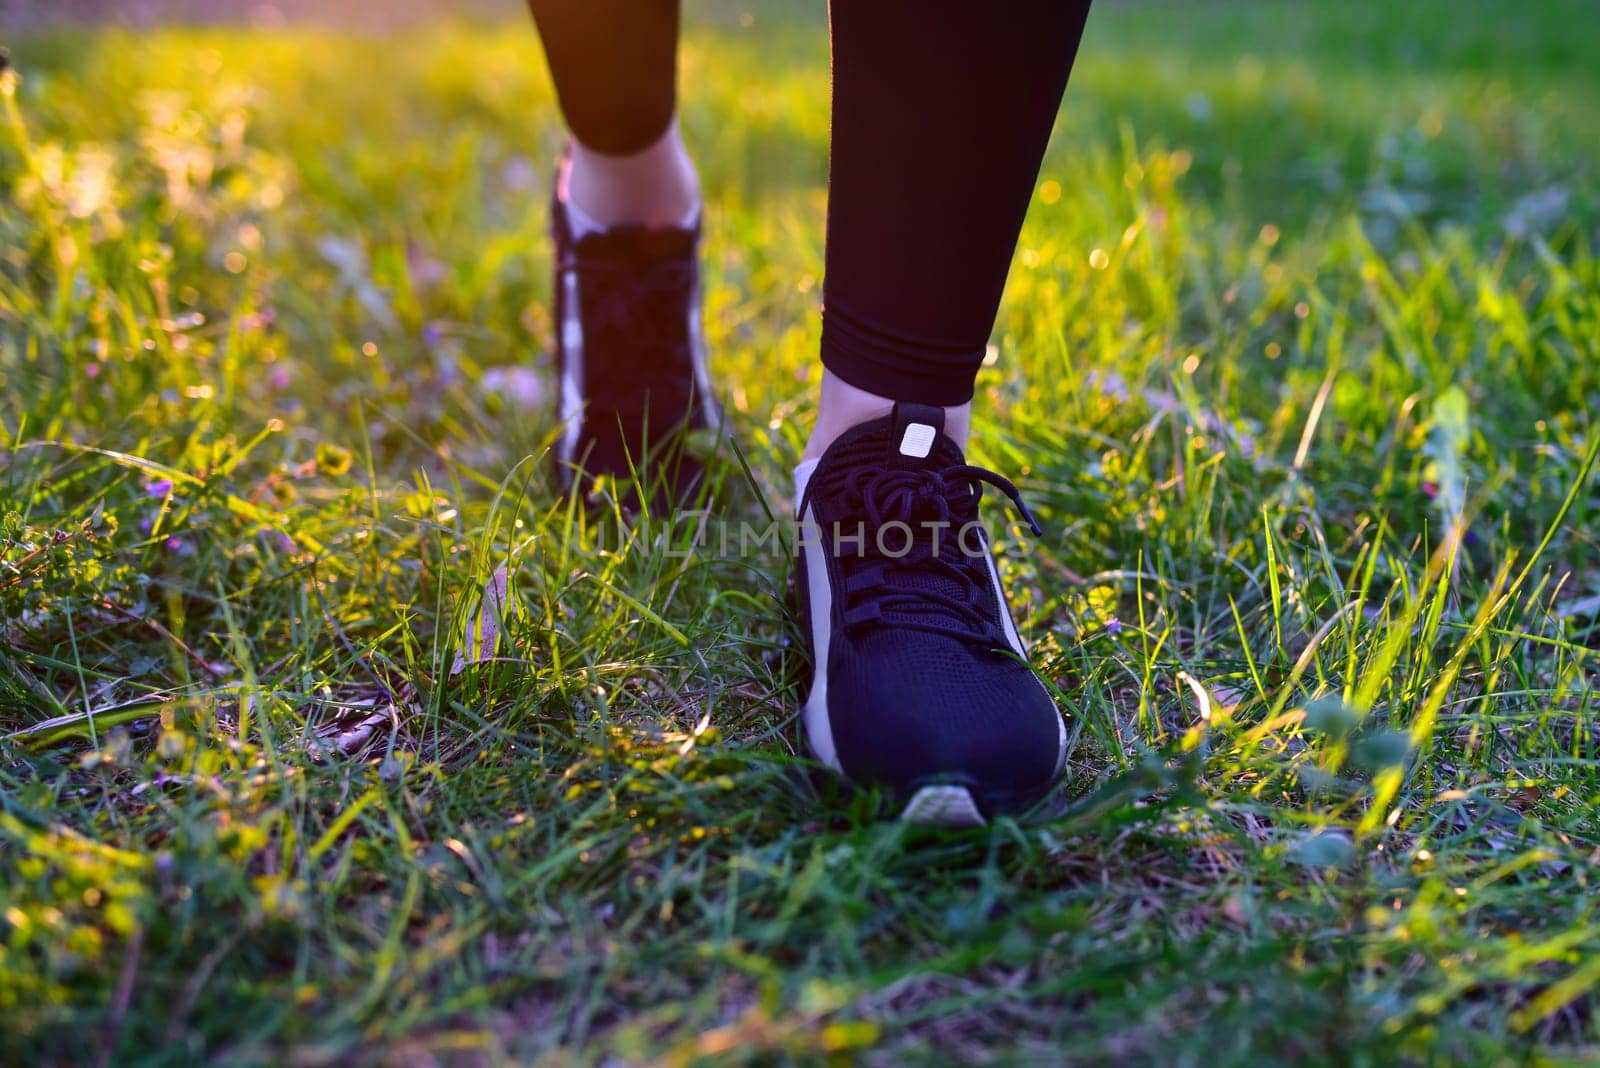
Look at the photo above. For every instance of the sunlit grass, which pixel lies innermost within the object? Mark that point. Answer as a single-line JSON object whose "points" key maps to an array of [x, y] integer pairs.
{"points": [[1298, 363]]}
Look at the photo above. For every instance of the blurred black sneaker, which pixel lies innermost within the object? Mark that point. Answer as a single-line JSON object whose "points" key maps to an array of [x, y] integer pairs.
{"points": [[920, 681], [631, 358]]}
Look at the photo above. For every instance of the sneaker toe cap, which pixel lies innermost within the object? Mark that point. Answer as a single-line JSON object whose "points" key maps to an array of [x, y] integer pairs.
{"points": [[909, 708]]}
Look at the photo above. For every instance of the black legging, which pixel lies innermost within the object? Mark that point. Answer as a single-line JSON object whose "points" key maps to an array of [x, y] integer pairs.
{"points": [[941, 113]]}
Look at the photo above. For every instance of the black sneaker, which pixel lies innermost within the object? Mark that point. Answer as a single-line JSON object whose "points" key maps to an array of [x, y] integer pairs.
{"points": [[630, 354], [920, 680]]}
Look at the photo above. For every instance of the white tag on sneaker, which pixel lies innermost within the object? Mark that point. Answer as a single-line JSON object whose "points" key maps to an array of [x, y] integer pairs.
{"points": [[917, 440]]}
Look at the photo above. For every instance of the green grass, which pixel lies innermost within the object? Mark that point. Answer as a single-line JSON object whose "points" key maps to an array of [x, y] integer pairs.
{"points": [[1299, 363]]}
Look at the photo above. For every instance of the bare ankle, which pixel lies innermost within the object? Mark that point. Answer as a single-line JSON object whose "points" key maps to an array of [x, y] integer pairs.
{"points": [[656, 186], [843, 406]]}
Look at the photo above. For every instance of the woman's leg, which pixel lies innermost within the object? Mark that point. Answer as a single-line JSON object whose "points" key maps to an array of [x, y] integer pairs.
{"points": [[614, 64], [941, 113], [625, 226]]}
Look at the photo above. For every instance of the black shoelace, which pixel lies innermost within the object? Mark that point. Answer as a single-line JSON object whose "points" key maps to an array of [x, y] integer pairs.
{"points": [[938, 581]]}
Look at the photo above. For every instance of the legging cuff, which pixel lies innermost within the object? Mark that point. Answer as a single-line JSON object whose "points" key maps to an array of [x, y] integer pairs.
{"points": [[895, 364]]}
